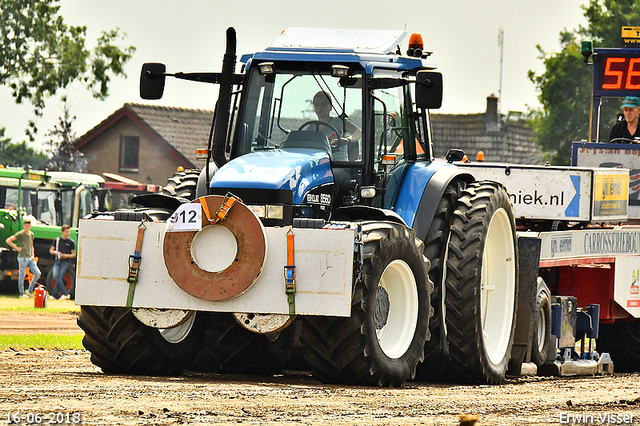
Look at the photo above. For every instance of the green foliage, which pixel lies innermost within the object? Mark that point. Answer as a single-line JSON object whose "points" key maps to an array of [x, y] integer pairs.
{"points": [[40, 54], [565, 85], [64, 158], [19, 154]]}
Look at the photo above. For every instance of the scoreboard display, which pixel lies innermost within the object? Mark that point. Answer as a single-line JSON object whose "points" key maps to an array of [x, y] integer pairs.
{"points": [[617, 72]]}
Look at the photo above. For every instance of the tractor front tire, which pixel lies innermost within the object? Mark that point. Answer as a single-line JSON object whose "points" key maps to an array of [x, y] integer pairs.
{"points": [[382, 342], [229, 348], [121, 344], [481, 284]]}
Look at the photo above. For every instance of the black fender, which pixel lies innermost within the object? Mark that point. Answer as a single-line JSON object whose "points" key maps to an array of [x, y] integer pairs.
{"points": [[159, 200], [432, 194], [359, 212], [201, 186]]}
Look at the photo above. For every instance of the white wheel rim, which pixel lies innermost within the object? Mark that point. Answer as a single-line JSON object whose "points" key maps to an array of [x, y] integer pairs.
{"points": [[542, 328], [179, 333], [443, 290], [396, 335], [497, 289]]}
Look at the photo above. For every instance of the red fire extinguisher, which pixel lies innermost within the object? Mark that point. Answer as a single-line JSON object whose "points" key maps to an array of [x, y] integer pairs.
{"points": [[40, 297]]}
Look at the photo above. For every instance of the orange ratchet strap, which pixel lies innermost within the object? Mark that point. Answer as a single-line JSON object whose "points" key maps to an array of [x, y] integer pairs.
{"points": [[290, 275], [223, 210], [134, 264]]}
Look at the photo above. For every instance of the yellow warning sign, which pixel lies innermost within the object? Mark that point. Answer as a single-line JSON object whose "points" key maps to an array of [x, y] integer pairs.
{"points": [[630, 32], [611, 193], [630, 36]]}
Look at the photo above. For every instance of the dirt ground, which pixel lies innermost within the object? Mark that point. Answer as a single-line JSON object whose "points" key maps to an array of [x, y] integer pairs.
{"points": [[38, 322], [66, 388]]}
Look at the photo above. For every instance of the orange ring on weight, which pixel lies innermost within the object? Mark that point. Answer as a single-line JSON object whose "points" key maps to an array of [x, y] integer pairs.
{"points": [[243, 271]]}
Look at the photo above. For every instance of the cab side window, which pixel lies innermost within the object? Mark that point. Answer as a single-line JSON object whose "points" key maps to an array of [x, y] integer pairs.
{"points": [[389, 131]]}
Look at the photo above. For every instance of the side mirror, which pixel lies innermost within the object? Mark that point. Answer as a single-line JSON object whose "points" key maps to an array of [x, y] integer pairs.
{"points": [[428, 89], [454, 155], [152, 79]]}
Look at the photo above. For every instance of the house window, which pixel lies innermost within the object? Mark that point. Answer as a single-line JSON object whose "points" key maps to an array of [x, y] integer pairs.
{"points": [[129, 148]]}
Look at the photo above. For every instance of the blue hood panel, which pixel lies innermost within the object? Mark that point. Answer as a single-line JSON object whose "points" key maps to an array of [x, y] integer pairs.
{"points": [[414, 182], [293, 169]]}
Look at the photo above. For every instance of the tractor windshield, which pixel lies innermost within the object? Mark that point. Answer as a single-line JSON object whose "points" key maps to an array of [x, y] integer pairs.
{"points": [[300, 100]]}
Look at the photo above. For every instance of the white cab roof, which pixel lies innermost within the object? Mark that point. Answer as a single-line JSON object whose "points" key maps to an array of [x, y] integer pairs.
{"points": [[351, 40]]}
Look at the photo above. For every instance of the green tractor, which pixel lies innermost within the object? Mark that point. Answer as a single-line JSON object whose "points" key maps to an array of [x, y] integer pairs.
{"points": [[54, 199]]}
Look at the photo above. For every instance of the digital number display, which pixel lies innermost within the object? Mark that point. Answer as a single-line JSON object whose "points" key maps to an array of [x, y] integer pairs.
{"points": [[618, 74], [621, 73]]}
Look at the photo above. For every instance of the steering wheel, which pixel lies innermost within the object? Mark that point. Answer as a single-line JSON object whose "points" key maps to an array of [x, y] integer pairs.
{"points": [[623, 140], [317, 124]]}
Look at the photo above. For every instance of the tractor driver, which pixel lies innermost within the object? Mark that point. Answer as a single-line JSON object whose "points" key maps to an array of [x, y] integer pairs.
{"points": [[340, 144], [627, 130]]}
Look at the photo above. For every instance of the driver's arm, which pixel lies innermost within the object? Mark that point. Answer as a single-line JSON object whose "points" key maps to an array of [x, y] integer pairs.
{"points": [[356, 132]]}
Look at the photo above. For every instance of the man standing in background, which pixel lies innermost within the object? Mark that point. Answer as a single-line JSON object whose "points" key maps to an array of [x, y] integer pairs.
{"points": [[627, 130], [64, 249], [26, 256]]}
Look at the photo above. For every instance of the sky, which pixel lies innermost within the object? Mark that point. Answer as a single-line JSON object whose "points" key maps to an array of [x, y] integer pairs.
{"points": [[189, 36]]}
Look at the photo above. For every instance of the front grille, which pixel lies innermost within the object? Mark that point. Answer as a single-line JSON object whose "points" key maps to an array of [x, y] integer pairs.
{"points": [[250, 196]]}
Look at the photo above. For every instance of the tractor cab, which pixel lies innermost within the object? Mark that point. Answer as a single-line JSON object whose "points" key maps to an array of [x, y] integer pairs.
{"points": [[329, 128], [322, 119]]}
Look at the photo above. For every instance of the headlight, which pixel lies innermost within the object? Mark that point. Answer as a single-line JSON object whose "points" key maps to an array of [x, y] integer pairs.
{"points": [[268, 211], [258, 210], [275, 212], [367, 192]]}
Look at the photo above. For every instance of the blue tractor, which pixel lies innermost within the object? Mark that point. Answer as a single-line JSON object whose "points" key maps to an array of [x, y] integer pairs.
{"points": [[402, 265]]}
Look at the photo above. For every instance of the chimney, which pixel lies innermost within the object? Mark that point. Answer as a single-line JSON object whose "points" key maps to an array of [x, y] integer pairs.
{"points": [[491, 118], [492, 108]]}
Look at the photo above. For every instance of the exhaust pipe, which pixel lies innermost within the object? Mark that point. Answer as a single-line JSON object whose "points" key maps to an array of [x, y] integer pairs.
{"points": [[223, 105]]}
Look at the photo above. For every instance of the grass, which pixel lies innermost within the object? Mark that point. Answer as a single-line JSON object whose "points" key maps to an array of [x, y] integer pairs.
{"points": [[13, 303], [40, 341]]}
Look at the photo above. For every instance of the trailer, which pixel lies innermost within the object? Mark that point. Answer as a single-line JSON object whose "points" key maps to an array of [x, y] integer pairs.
{"points": [[589, 256], [587, 217]]}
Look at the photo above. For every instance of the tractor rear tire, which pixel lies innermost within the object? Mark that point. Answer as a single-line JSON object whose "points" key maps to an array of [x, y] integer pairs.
{"points": [[182, 184], [622, 341], [121, 344], [541, 339], [382, 342], [436, 362], [481, 285], [69, 283], [229, 348]]}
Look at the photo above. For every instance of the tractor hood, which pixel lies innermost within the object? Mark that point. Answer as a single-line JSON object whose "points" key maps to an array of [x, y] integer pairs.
{"points": [[294, 169]]}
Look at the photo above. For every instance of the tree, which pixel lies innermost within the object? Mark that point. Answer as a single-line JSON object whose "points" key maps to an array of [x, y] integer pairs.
{"points": [[19, 154], [64, 158], [565, 85], [40, 54]]}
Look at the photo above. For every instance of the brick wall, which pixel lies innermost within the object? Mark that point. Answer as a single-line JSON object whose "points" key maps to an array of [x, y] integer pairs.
{"points": [[155, 165]]}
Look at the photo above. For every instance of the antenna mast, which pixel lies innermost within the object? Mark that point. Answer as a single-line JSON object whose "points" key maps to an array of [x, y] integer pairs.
{"points": [[501, 44]]}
